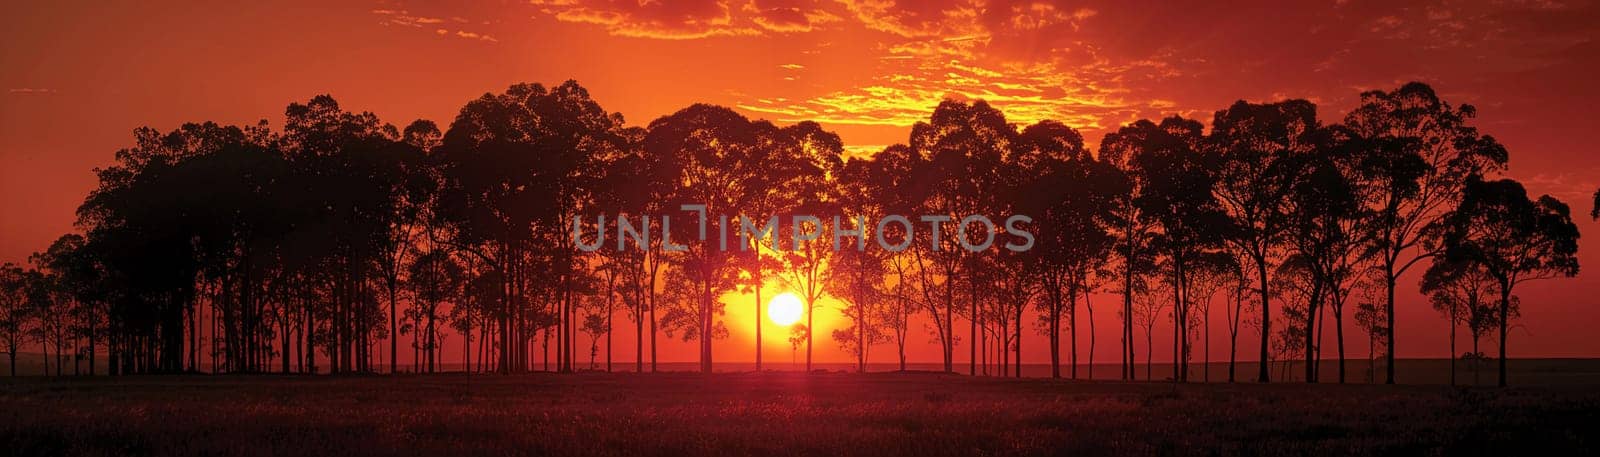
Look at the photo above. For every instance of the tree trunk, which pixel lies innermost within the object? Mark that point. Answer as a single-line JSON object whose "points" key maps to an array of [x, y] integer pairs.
{"points": [[1505, 304], [1087, 305], [861, 332], [973, 343], [1266, 322], [1072, 324], [1020, 307], [757, 280], [1388, 357], [810, 330], [394, 325], [1338, 331], [1453, 324]]}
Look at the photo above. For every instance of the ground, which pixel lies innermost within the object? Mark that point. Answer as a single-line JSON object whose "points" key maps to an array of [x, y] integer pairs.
{"points": [[775, 414]]}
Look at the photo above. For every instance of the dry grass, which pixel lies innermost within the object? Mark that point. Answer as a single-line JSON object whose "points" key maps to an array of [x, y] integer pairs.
{"points": [[775, 414]]}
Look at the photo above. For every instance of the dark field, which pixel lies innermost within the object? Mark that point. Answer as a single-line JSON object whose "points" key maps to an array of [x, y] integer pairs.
{"points": [[776, 414]]}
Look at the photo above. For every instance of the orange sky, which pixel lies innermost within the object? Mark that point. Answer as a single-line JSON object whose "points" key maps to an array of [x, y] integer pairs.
{"points": [[80, 76]]}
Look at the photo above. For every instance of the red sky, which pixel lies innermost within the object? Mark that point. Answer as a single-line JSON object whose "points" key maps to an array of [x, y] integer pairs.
{"points": [[80, 76]]}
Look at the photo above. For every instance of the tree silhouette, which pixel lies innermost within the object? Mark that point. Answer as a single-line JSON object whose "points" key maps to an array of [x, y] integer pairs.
{"points": [[435, 277], [1465, 293], [883, 186], [1176, 183], [801, 160], [858, 269], [517, 167], [1422, 153], [1326, 215], [1132, 227], [719, 157], [1257, 144], [1070, 196], [19, 295], [1514, 239], [260, 248], [953, 160]]}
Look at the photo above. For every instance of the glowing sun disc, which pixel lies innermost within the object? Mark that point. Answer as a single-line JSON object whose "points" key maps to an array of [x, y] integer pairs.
{"points": [[785, 309]]}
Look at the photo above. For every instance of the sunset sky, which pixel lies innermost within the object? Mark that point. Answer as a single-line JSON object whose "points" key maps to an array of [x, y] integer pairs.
{"points": [[80, 76]]}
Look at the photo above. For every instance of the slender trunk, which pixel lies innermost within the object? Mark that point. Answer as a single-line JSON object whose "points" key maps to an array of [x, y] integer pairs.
{"points": [[1266, 322], [1127, 317], [1177, 320], [1053, 292], [1233, 334], [1453, 325], [1072, 323], [653, 271], [861, 331], [1020, 307], [1311, 333], [638, 330], [1149, 348], [706, 299], [1505, 304], [1087, 305], [949, 322], [1338, 332], [1477, 360], [973, 345], [1388, 356], [810, 330], [757, 278], [394, 324]]}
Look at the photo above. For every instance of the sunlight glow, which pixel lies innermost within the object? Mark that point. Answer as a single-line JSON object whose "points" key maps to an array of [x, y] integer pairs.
{"points": [[785, 309]]}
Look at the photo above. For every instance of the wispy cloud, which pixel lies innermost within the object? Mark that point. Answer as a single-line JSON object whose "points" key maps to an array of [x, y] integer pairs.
{"points": [[404, 18], [692, 19]]}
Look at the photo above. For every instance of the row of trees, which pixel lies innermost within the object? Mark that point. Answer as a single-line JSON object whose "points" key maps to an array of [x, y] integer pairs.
{"points": [[338, 232]]}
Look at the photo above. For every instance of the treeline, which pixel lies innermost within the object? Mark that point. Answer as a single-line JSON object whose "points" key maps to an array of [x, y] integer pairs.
{"points": [[304, 249]]}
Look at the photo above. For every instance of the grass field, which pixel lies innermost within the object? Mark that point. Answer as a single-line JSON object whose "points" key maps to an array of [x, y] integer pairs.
{"points": [[776, 414]]}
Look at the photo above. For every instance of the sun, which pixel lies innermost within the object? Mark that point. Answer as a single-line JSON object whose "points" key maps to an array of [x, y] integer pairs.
{"points": [[785, 309]]}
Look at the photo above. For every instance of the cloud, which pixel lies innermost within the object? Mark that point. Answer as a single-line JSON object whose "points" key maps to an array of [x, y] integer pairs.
{"points": [[404, 18], [1098, 64], [789, 16], [907, 95], [917, 19], [475, 36], [958, 49], [691, 19]]}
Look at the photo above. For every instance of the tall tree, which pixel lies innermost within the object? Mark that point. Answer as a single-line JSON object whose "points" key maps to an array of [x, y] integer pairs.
{"points": [[1423, 151], [1069, 196], [1515, 240], [957, 158], [1256, 143], [1465, 294], [517, 167], [891, 189], [1132, 228], [1325, 220], [1177, 182], [18, 295], [860, 268], [802, 160], [719, 156]]}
